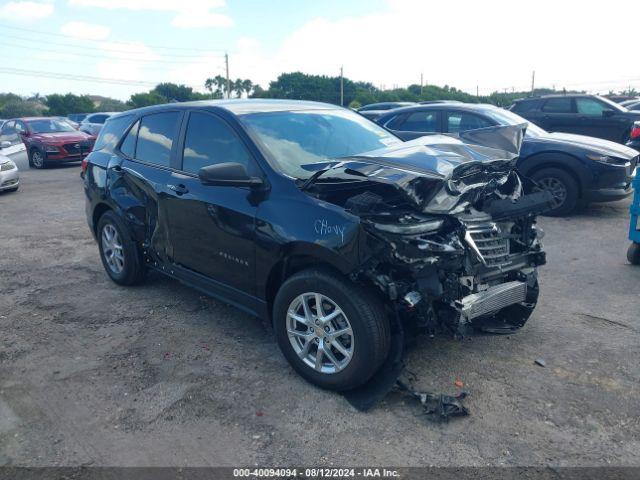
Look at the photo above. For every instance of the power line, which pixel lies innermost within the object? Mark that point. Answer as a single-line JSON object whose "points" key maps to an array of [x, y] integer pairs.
{"points": [[191, 49], [84, 48], [81, 78], [108, 57]]}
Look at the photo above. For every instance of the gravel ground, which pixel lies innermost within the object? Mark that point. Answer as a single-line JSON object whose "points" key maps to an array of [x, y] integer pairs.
{"points": [[96, 374]]}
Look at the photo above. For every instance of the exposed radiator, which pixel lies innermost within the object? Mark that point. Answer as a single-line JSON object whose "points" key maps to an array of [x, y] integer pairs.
{"points": [[493, 299]]}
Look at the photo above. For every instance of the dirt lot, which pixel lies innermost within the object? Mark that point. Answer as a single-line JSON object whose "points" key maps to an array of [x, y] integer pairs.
{"points": [[95, 374]]}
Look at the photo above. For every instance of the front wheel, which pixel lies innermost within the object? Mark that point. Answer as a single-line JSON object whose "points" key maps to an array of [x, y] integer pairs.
{"points": [[633, 254], [36, 159], [332, 332], [563, 188]]}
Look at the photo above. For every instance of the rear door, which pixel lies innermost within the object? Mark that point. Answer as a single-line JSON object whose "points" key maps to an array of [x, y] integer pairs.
{"points": [[559, 115], [212, 227], [140, 181], [416, 124]]}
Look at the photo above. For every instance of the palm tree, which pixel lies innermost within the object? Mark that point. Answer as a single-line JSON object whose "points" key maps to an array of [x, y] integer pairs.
{"points": [[247, 86]]}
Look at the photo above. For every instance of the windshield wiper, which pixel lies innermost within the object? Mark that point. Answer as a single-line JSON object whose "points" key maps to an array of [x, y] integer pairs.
{"points": [[311, 180]]}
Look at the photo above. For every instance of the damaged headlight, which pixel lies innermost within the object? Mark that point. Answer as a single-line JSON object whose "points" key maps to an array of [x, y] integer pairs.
{"points": [[430, 226]]}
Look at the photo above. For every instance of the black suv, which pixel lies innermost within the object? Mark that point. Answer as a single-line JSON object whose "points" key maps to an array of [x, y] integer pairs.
{"points": [[320, 220], [582, 114]]}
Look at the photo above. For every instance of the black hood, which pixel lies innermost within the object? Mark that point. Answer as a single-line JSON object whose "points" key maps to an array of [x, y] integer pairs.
{"points": [[441, 173]]}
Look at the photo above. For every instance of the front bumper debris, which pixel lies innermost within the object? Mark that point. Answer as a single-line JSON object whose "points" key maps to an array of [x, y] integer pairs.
{"points": [[493, 299]]}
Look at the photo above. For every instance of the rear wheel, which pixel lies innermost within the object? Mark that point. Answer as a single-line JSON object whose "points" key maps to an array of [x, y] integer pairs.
{"points": [[563, 188], [120, 255], [36, 159], [332, 332]]}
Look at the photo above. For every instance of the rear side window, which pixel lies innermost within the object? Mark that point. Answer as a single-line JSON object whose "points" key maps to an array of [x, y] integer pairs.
{"points": [[426, 121], [557, 105], [112, 132], [209, 140], [461, 122], [128, 146], [156, 135]]}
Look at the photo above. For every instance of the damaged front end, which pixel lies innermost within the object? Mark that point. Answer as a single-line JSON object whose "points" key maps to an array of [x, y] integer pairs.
{"points": [[449, 229]]}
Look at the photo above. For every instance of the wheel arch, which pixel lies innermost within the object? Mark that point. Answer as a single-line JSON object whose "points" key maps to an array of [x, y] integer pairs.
{"points": [[99, 210], [297, 257], [562, 161]]}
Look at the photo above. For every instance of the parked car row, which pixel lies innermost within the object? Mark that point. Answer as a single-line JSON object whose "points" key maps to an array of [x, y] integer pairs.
{"points": [[574, 168], [47, 140]]}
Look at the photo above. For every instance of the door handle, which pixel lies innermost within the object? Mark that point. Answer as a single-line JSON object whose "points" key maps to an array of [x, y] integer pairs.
{"points": [[179, 189]]}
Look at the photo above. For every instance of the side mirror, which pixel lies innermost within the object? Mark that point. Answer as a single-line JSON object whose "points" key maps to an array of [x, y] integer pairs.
{"points": [[608, 112], [5, 144], [228, 174]]}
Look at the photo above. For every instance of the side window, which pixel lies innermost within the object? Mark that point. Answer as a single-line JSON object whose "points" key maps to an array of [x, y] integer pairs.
{"points": [[523, 106], [155, 137], [8, 133], [589, 106], [209, 141], [9, 128], [20, 127], [557, 105], [425, 121], [394, 122], [462, 121], [112, 132], [128, 146]]}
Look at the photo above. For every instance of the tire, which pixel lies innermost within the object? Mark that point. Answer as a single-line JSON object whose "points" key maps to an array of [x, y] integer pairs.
{"points": [[37, 159], [562, 186], [368, 343], [129, 258], [633, 254]]}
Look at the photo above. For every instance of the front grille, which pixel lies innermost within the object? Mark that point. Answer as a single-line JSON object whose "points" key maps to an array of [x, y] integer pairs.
{"points": [[492, 247], [77, 148]]}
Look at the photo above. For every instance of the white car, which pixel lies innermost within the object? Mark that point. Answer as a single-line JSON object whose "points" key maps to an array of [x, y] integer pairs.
{"points": [[9, 177], [92, 123]]}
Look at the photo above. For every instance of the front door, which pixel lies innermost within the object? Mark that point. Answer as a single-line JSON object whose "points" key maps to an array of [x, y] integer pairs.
{"points": [[212, 227]]}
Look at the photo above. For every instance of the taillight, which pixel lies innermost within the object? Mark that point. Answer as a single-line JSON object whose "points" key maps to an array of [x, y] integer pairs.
{"points": [[84, 165], [635, 131]]}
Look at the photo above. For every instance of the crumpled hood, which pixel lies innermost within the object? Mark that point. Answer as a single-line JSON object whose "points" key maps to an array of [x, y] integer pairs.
{"points": [[591, 144], [442, 173]]}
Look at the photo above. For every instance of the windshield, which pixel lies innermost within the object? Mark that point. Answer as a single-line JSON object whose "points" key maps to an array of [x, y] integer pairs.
{"points": [[614, 106], [505, 117], [296, 138], [49, 125]]}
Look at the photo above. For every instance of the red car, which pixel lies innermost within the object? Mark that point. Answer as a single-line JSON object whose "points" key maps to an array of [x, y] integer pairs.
{"points": [[48, 140]]}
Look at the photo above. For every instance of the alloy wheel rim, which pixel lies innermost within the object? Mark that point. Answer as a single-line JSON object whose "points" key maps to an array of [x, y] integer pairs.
{"points": [[37, 159], [320, 333], [557, 189], [112, 249]]}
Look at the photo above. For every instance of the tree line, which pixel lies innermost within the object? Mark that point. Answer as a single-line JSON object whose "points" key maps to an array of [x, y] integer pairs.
{"points": [[294, 85]]}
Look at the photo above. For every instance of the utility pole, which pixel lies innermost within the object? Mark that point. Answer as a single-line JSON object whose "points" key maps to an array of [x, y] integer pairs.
{"points": [[533, 82], [421, 84], [341, 87], [477, 91], [226, 62]]}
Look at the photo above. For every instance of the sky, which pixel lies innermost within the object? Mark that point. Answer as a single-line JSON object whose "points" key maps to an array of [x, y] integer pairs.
{"points": [[119, 47]]}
